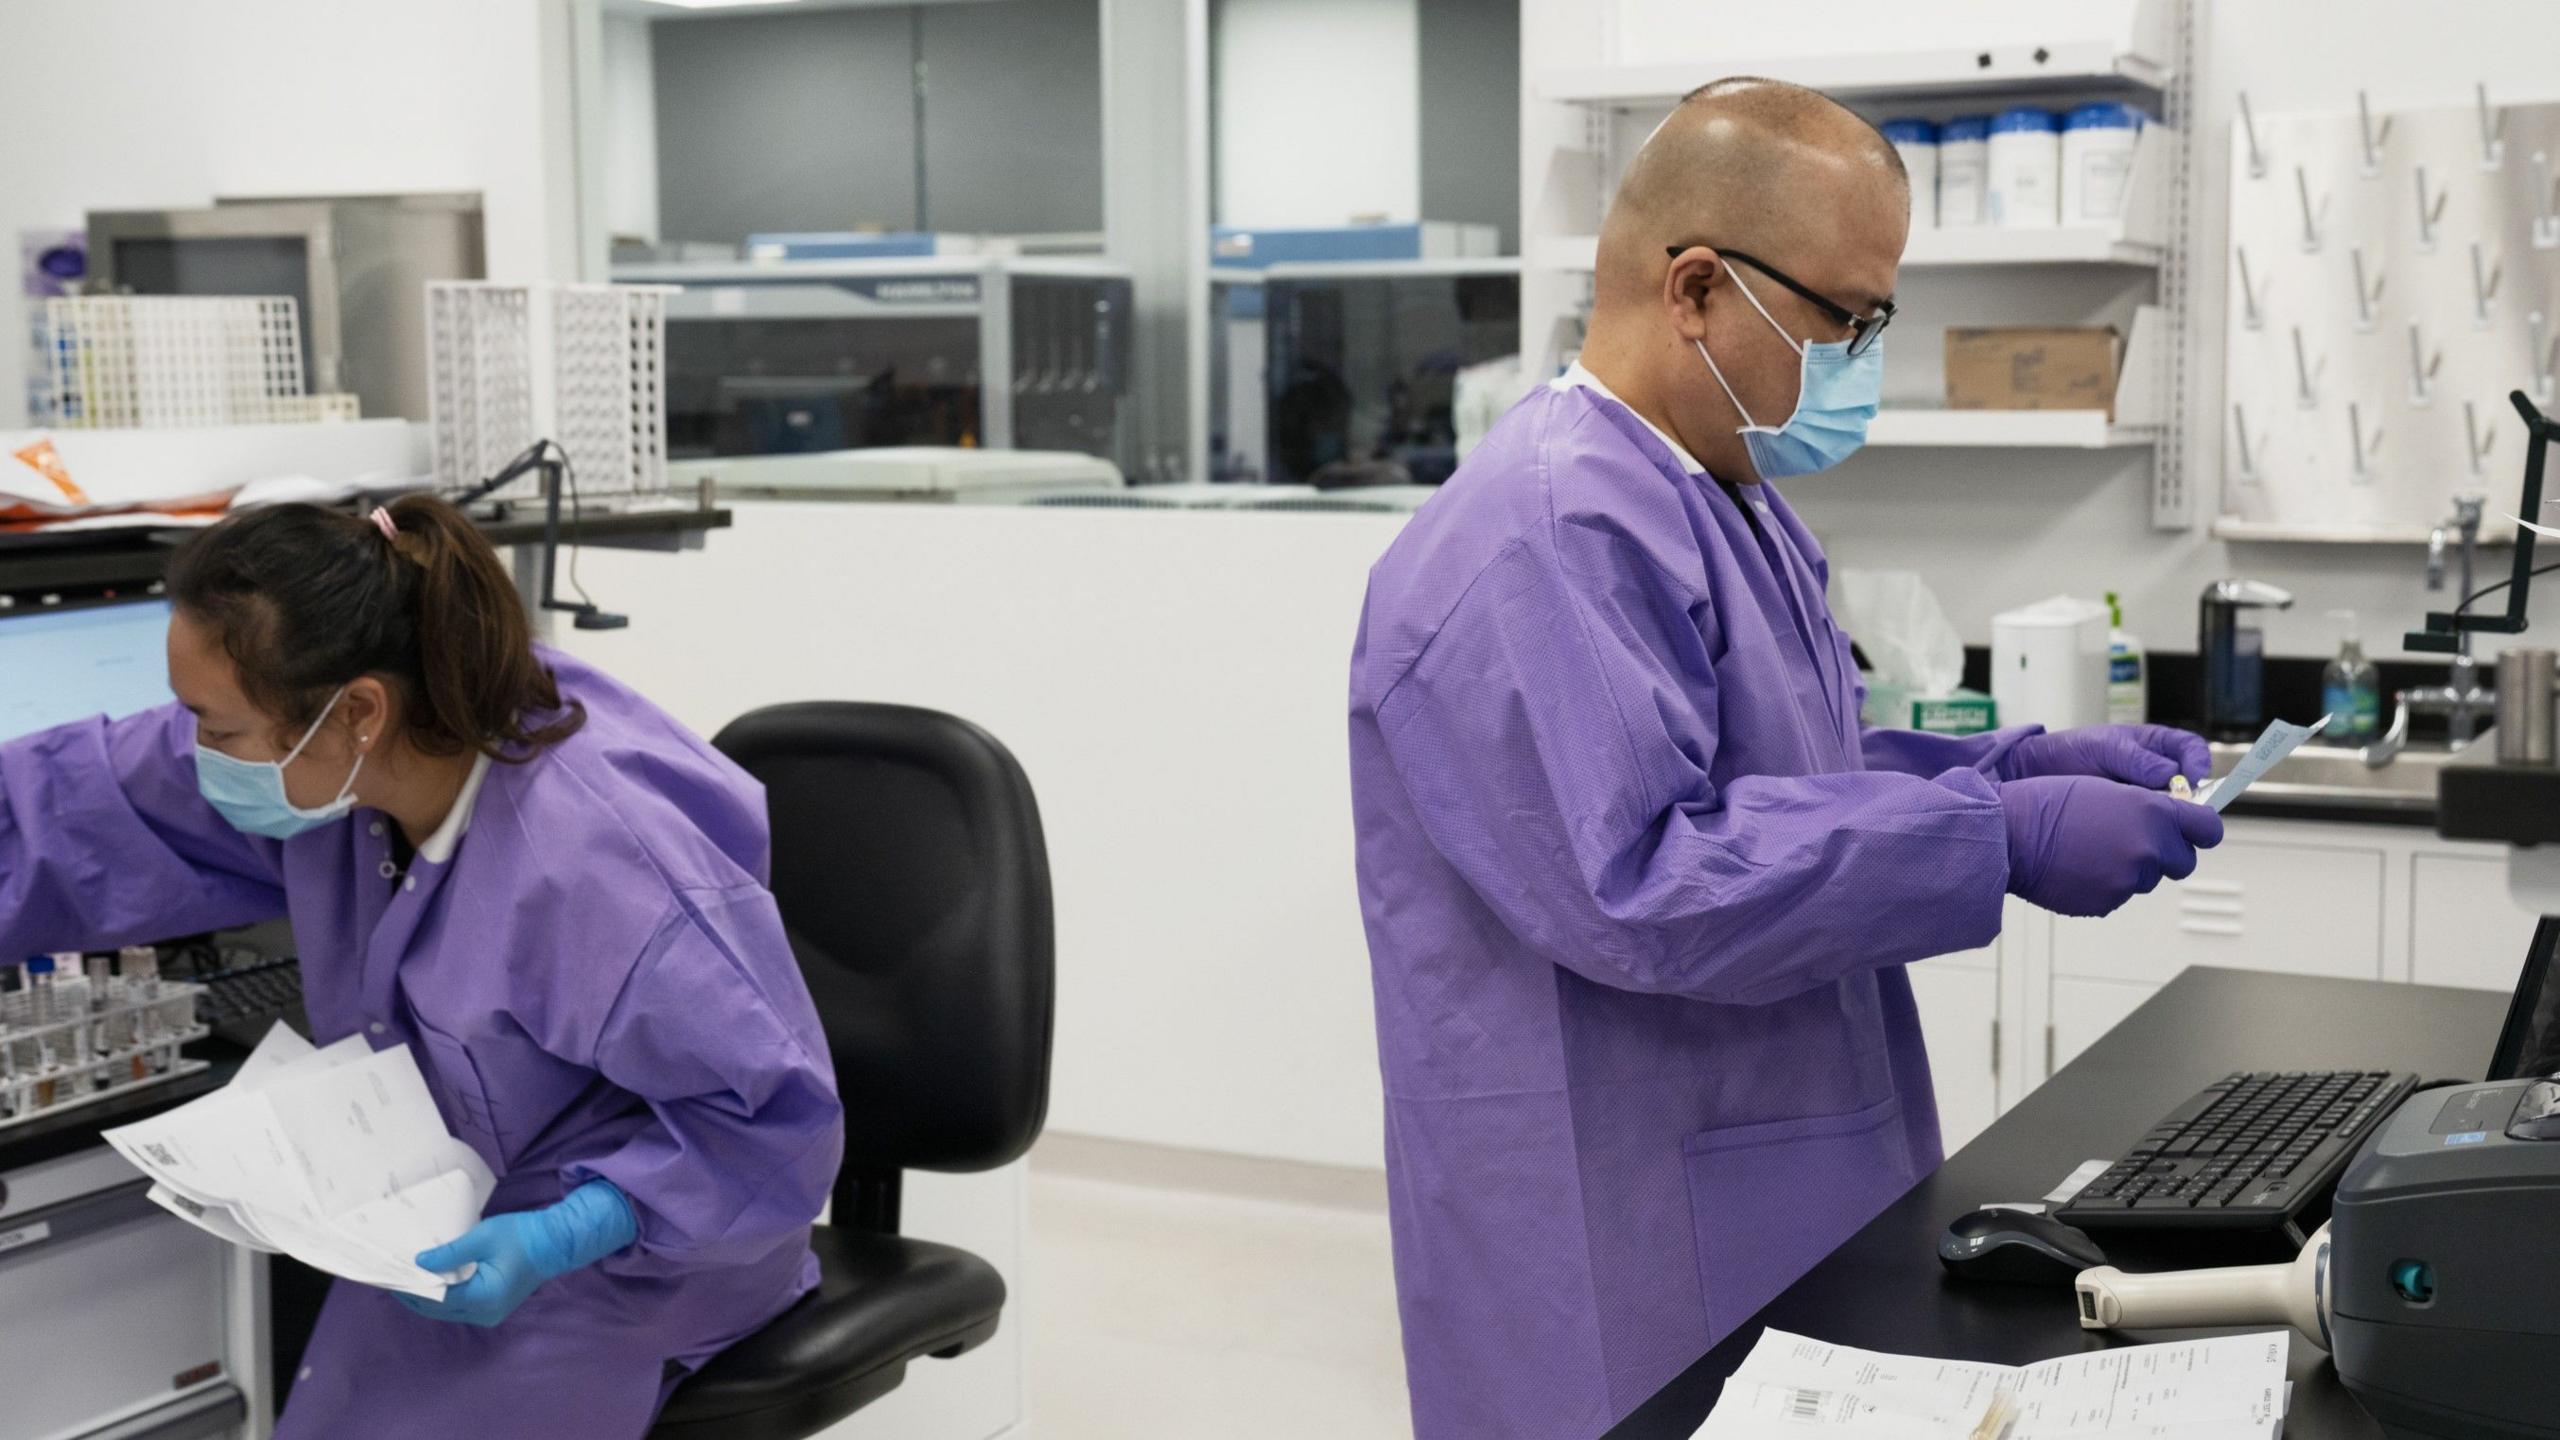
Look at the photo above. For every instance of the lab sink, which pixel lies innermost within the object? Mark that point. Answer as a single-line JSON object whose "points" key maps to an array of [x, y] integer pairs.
{"points": [[2318, 774]]}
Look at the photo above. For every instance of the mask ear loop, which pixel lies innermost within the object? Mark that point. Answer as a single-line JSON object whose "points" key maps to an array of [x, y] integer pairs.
{"points": [[305, 742]]}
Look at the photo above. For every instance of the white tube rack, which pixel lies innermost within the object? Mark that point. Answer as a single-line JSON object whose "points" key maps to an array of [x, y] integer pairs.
{"points": [[121, 1046]]}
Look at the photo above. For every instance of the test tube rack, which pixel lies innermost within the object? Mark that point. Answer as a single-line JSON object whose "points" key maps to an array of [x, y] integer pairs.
{"points": [[128, 1043], [176, 361], [584, 365]]}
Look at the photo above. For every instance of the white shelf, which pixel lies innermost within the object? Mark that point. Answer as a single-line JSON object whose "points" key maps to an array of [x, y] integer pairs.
{"points": [[1930, 249], [2048, 245], [2274, 533], [2072, 64], [2005, 429]]}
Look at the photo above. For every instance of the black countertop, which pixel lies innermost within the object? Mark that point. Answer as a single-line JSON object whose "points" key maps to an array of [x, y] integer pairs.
{"points": [[71, 1131], [1884, 1290], [41, 562]]}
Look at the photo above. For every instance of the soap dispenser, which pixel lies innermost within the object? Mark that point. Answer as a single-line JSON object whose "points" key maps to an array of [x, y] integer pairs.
{"points": [[2351, 688], [2235, 656]]}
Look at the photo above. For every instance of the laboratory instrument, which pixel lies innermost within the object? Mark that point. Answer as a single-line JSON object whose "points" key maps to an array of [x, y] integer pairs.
{"points": [[1254, 247], [1359, 363], [2251, 1151], [2235, 655], [355, 265], [2018, 1247], [932, 474], [992, 352]]}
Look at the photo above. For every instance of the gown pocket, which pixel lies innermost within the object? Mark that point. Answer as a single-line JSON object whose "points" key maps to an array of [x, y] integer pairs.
{"points": [[455, 1082], [1768, 1200]]}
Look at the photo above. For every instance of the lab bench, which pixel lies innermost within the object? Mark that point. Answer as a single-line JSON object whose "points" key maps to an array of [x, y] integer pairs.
{"points": [[1883, 1288], [88, 561], [169, 1324]]}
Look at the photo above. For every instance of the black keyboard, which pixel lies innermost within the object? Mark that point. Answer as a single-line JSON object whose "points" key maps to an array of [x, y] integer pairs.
{"points": [[2250, 1151], [241, 1004]]}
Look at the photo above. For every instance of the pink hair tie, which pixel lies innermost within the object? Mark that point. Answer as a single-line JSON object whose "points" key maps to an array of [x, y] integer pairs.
{"points": [[383, 522]]}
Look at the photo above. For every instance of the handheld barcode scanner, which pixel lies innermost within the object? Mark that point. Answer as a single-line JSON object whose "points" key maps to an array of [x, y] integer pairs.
{"points": [[2294, 1293]]}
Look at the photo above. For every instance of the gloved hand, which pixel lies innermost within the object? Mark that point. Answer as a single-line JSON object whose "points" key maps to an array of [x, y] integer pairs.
{"points": [[2079, 845], [511, 1254], [2144, 755]]}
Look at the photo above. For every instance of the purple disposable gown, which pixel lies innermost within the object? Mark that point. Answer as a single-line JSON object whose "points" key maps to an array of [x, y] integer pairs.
{"points": [[595, 984], [1638, 889]]}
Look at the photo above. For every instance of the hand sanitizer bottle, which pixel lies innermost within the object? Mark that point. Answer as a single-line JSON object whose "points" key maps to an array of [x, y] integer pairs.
{"points": [[2128, 688], [2351, 688]]}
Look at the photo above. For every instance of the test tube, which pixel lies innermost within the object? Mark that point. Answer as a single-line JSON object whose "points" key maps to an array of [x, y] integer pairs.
{"points": [[40, 987]]}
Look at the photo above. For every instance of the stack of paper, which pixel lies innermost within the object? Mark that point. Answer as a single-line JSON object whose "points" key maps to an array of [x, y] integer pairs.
{"points": [[2231, 1388], [336, 1157]]}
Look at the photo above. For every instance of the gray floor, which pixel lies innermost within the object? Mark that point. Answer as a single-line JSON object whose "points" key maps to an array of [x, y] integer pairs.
{"points": [[1159, 1310]]}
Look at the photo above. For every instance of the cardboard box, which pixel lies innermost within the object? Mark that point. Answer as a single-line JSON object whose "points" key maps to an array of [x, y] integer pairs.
{"points": [[2032, 370], [1958, 712]]}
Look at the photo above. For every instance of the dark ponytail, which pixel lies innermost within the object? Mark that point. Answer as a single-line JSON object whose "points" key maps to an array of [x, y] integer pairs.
{"points": [[306, 599]]}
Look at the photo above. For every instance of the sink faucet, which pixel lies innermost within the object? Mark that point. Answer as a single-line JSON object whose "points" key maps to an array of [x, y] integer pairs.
{"points": [[2462, 699]]}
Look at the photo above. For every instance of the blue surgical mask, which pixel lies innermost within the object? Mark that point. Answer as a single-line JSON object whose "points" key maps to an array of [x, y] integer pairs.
{"points": [[1836, 396], [251, 795]]}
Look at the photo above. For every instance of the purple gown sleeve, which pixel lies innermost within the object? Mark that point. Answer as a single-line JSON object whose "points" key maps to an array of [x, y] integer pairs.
{"points": [[1917, 752], [746, 1130], [104, 840], [1556, 739]]}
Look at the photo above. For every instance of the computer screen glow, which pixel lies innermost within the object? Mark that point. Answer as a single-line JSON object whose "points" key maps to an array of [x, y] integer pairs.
{"points": [[65, 665]]}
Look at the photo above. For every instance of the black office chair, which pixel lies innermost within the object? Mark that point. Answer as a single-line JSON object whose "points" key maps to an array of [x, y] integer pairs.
{"points": [[909, 865]]}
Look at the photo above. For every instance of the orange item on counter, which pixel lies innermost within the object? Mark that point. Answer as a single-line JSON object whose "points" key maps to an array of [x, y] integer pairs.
{"points": [[41, 457]]}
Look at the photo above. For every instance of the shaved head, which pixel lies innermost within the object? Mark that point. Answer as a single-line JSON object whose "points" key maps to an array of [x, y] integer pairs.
{"points": [[1747, 181], [1740, 163]]}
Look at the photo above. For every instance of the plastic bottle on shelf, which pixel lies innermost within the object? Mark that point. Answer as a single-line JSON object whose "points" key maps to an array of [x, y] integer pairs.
{"points": [[2098, 142], [1916, 141], [1964, 168], [2026, 168], [2128, 683]]}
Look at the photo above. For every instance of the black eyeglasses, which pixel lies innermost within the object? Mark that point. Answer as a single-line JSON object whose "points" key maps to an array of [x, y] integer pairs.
{"points": [[1863, 329]]}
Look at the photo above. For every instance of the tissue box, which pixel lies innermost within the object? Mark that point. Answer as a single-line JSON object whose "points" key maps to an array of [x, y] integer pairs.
{"points": [[1958, 712]]}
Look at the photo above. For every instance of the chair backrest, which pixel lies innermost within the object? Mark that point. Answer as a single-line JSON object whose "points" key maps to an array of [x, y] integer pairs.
{"points": [[912, 877]]}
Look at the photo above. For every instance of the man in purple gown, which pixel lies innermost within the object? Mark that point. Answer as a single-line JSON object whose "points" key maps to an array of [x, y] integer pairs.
{"points": [[1639, 886]]}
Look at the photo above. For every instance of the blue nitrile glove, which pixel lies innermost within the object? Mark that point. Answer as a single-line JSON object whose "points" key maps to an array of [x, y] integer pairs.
{"points": [[2144, 755], [513, 1253], [2079, 845]]}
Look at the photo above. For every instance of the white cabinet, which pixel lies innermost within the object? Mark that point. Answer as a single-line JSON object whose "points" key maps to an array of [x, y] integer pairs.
{"points": [[2463, 927], [2310, 898], [2308, 909], [1959, 998], [2079, 1010]]}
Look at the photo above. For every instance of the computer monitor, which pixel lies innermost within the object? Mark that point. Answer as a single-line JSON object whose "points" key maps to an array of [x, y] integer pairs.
{"points": [[58, 666]]}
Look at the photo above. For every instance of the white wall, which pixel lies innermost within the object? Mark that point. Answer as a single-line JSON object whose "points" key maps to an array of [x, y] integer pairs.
{"points": [[1317, 111], [137, 104], [631, 129], [1174, 684], [1989, 529]]}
